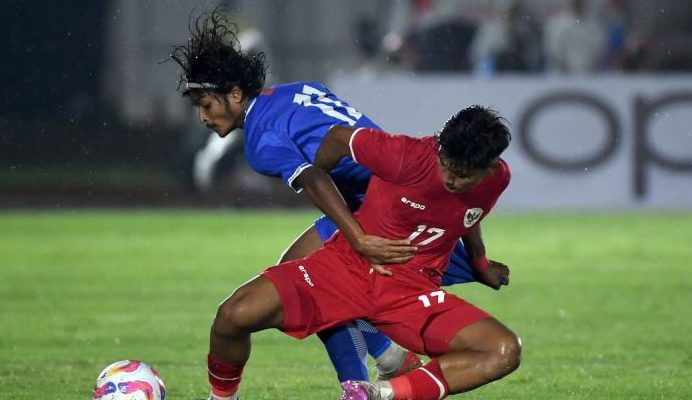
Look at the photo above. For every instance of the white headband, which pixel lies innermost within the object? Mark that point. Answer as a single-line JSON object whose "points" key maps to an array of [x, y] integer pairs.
{"points": [[193, 85]]}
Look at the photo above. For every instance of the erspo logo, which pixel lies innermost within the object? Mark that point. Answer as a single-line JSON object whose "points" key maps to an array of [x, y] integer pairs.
{"points": [[413, 204], [306, 276]]}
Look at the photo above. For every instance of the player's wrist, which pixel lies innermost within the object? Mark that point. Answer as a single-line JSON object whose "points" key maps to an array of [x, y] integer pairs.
{"points": [[357, 240], [480, 263]]}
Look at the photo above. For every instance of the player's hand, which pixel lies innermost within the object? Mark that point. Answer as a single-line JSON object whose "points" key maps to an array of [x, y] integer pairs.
{"points": [[381, 251], [495, 276]]}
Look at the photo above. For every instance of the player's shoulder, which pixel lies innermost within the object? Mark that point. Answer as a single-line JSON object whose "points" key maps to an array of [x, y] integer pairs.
{"points": [[492, 186], [270, 109], [279, 98], [501, 177], [503, 172], [403, 143], [299, 87], [283, 92], [397, 136]]}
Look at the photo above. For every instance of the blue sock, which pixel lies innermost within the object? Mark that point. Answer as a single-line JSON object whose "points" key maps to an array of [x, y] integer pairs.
{"points": [[347, 349], [376, 341]]}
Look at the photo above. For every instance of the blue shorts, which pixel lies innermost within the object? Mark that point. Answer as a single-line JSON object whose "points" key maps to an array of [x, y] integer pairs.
{"points": [[458, 271]]}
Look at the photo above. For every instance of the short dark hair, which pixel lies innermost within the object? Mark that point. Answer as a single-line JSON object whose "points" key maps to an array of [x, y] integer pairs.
{"points": [[473, 138], [212, 55]]}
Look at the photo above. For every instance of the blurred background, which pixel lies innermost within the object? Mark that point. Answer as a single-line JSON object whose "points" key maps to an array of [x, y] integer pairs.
{"points": [[598, 94]]}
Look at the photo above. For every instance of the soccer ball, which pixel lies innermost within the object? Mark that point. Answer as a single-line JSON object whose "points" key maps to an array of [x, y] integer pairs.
{"points": [[129, 380]]}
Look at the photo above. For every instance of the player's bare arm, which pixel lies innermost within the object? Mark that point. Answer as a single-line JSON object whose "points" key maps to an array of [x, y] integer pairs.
{"points": [[321, 189], [491, 273], [334, 147]]}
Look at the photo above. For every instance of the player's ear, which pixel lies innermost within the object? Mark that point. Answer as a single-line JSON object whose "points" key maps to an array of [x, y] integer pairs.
{"points": [[236, 95]]}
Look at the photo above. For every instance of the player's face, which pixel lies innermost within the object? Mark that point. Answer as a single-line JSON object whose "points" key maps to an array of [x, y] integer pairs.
{"points": [[220, 114], [462, 181]]}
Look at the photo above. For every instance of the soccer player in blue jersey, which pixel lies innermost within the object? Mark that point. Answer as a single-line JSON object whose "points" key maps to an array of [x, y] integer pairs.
{"points": [[283, 127]]}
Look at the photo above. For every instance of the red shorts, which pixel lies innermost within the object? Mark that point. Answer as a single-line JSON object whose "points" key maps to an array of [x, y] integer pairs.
{"points": [[329, 288]]}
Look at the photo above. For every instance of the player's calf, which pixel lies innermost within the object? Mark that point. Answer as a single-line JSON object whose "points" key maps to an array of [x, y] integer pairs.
{"points": [[252, 307]]}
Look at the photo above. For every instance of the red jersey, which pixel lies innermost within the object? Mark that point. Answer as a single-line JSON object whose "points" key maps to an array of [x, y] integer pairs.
{"points": [[407, 198]]}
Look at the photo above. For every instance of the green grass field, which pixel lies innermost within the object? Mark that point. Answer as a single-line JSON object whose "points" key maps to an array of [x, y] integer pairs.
{"points": [[603, 303]]}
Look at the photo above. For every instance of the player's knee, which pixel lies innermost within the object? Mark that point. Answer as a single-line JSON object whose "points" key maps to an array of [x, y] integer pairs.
{"points": [[234, 315], [505, 356]]}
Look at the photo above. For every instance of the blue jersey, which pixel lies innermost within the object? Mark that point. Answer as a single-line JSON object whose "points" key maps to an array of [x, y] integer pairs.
{"points": [[284, 127]]}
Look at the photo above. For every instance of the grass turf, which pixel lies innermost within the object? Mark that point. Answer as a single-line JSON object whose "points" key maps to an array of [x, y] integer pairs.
{"points": [[602, 302]]}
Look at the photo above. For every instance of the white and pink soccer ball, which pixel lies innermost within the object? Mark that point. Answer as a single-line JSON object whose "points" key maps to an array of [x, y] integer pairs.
{"points": [[129, 380]]}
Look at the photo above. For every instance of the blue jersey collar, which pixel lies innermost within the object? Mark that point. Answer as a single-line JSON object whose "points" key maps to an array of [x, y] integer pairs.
{"points": [[248, 109]]}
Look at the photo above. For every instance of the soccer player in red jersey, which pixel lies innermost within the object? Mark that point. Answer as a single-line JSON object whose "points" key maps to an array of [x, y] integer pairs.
{"points": [[432, 190]]}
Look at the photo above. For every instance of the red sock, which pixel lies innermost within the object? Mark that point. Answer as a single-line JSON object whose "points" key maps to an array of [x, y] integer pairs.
{"points": [[223, 376], [424, 383]]}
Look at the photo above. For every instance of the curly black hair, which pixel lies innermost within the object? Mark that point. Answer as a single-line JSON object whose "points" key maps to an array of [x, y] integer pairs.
{"points": [[212, 55], [473, 139]]}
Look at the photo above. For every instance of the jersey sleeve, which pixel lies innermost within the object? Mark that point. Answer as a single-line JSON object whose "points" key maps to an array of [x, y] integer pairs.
{"points": [[380, 152], [276, 155]]}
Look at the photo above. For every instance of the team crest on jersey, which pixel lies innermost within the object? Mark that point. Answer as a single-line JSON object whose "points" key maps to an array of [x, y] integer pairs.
{"points": [[472, 215]]}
